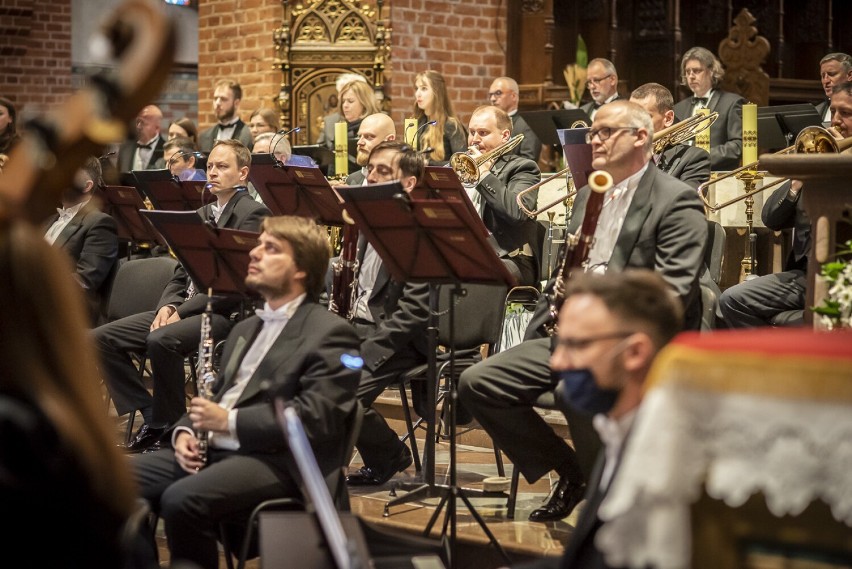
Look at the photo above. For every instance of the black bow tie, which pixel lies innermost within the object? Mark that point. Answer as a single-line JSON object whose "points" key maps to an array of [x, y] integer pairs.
{"points": [[702, 100], [140, 145]]}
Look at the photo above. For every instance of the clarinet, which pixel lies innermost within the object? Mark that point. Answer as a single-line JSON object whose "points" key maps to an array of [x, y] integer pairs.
{"points": [[206, 375], [344, 284], [578, 245]]}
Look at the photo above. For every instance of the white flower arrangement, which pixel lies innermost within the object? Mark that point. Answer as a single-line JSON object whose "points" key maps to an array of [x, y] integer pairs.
{"points": [[835, 311]]}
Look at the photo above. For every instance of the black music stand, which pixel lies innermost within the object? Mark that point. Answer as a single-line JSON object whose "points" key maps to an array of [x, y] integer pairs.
{"points": [[578, 154], [545, 123], [295, 190], [215, 258], [319, 153], [124, 203], [169, 194], [778, 126], [437, 241]]}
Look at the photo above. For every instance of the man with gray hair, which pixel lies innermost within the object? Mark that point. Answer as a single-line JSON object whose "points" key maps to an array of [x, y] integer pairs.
{"points": [[503, 94], [702, 72], [834, 68], [602, 82]]}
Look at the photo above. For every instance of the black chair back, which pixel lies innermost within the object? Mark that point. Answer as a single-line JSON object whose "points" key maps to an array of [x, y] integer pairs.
{"points": [[138, 286]]}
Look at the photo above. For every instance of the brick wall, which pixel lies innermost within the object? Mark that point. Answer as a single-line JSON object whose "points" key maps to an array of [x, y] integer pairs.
{"points": [[458, 38], [35, 49]]}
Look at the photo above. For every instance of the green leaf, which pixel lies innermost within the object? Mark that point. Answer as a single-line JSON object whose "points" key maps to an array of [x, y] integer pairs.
{"points": [[582, 59]]}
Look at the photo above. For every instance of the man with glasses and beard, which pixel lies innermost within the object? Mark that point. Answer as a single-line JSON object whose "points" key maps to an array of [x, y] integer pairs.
{"points": [[648, 220]]}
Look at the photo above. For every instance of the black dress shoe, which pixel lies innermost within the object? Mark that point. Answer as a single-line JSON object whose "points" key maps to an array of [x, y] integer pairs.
{"points": [[370, 476], [153, 448], [145, 437], [563, 498]]}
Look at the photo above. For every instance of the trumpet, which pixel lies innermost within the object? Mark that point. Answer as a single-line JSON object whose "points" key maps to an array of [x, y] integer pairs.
{"points": [[466, 166], [811, 140], [675, 134]]}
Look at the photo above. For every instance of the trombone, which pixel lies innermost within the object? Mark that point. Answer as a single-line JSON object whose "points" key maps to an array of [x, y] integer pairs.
{"points": [[811, 140], [466, 166], [675, 134]]}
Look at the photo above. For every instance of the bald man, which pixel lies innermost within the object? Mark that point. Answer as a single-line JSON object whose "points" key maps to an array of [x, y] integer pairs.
{"points": [[374, 129], [146, 152], [504, 94]]}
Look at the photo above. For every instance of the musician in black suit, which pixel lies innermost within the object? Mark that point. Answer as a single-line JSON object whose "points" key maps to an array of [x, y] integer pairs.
{"points": [[391, 319], [495, 195], [89, 236], [146, 152], [374, 129], [649, 220], [602, 82], [686, 163], [171, 332], [227, 96], [503, 94], [611, 328], [834, 68], [293, 349], [702, 72]]}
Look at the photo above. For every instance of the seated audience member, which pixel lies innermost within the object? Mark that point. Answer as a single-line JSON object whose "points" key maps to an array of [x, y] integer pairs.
{"points": [[702, 72], [171, 332], [650, 220], [611, 328], [61, 472], [391, 319], [294, 349], [181, 156], [89, 236]]}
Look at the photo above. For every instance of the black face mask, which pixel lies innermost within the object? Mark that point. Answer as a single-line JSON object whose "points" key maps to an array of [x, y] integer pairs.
{"points": [[581, 391]]}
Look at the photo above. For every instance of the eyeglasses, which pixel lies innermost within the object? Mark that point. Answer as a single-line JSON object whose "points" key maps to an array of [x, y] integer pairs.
{"points": [[583, 343], [597, 80], [604, 133], [494, 94], [694, 71]]}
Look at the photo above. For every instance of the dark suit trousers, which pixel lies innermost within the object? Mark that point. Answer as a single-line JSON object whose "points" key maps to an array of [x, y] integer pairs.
{"points": [[192, 506], [754, 303], [500, 393], [167, 347]]}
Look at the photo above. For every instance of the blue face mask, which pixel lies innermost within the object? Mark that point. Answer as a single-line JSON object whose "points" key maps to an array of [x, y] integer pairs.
{"points": [[580, 390]]}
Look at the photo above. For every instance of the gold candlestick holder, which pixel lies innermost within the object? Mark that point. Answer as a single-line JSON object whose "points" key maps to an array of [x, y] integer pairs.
{"points": [[748, 266]]}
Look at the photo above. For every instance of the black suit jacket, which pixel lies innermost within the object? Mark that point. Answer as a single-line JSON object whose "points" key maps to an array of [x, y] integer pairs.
{"points": [[726, 134], [91, 240], [822, 108], [511, 227], [665, 230], [780, 212], [580, 552], [356, 178], [241, 212], [531, 146], [590, 106], [304, 366], [401, 314], [207, 138], [128, 149], [686, 163]]}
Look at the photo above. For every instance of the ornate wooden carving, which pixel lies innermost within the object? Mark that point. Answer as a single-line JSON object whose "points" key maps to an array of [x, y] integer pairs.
{"points": [[316, 42], [743, 52]]}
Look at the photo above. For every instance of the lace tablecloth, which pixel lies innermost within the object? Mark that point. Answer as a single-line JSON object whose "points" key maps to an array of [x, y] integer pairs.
{"points": [[736, 412]]}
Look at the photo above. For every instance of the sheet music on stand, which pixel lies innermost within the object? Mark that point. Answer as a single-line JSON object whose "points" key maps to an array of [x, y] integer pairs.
{"points": [[215, 258], [295, 190], [168, 194], [123, 203]]}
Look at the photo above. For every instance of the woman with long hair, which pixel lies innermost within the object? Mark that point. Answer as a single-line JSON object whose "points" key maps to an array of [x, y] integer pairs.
{"points": [[184, 128], [432, 103], [61, 474], [8, 125]]}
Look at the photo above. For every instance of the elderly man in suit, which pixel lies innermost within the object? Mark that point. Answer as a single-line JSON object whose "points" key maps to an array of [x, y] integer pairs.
{"points": [[227, 96], [89, 236], [146, 152], [602, 82], [294, 349], [611, 327], [834, 68], [686, 163], [702, 72], [503, 94], [171, 332], [500, 181], [648, 220]]}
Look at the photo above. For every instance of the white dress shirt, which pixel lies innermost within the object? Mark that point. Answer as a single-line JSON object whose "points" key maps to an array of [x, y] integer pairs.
{"points": [[65, 217], [613, 432]]}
